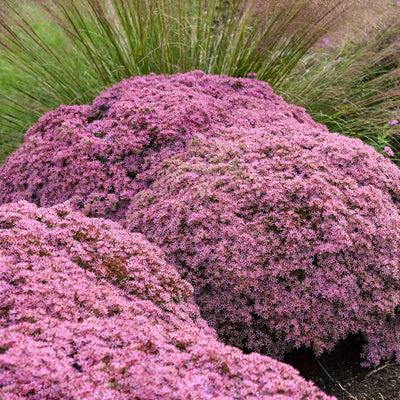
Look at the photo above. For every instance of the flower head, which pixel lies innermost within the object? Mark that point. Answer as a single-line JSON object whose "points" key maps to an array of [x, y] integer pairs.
{"points": [[388, 151]]}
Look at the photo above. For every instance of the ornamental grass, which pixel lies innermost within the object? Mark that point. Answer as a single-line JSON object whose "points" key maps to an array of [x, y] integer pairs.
{"points": [[67, 52]]}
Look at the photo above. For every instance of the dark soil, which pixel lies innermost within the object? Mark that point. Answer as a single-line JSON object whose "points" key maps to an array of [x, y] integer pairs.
{"points": [[344, 377]]}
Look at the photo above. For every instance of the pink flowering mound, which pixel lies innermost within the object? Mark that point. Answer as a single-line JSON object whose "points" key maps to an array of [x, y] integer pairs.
{"points": [[288, 233], [90, 311], [100, 156]]}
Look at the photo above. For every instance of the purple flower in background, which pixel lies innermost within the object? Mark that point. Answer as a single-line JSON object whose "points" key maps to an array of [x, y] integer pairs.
{"points": [[388, 151], [393, 121], [326, 42], [252, 74]]}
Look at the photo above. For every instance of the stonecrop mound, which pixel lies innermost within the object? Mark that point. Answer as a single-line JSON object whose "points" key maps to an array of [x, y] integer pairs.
{"points": [[98, 157], [91, 311], [288, 233]]}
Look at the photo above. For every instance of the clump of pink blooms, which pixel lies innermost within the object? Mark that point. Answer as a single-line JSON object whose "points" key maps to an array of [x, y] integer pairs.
{"points": [[388, 151], [288, 239], [98, 157], [91, 311], [288, 233]]}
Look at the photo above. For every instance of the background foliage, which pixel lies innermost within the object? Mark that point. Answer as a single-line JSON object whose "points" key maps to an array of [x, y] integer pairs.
{"points": [[56, 52]]}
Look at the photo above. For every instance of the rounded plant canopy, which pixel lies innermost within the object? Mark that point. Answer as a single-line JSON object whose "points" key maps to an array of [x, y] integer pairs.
{"points": [[288, 233], [89, 310]]}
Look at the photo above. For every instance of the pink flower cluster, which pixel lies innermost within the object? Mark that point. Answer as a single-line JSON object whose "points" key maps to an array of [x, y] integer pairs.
{"points": [[90, 311], [98, 157], [288, 233], [388, 151]]}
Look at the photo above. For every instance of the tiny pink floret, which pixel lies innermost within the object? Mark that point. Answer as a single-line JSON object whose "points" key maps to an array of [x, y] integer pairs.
{"points": [[388, 151]]}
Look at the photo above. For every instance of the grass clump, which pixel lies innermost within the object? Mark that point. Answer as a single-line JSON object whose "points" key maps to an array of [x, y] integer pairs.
{"points": [[56, 52], [354, 87], [69, 51]]}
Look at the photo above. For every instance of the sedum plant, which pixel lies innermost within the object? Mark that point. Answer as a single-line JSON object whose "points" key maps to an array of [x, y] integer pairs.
{"points": [[88, 310], [288, 233]]}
